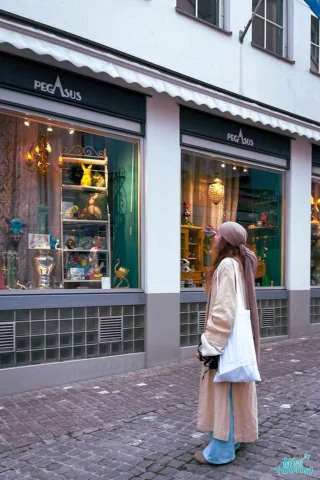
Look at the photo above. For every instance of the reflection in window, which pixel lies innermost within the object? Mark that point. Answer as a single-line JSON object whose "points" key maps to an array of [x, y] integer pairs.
{"points": [[238, 193], [210, 11], [68, 209], [268, 25]]}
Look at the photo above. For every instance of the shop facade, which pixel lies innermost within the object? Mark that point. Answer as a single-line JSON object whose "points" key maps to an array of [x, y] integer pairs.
{"points": [[111, 187]]}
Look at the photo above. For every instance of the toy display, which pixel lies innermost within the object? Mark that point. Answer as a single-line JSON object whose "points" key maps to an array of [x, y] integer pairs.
{"points": [[86, 180], [91, 212]]}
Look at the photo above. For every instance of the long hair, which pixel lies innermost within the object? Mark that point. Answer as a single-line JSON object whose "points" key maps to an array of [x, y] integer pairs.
{"points": [[225, 250]]}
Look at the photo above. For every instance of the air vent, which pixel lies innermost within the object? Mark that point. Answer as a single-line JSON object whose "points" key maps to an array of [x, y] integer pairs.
{"points": [[201, 321], [110, 329], [7, 337], [267, 317]]}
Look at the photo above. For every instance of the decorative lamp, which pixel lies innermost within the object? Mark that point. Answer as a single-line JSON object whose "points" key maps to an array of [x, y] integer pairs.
{"points": [[39, 157], [216, 191]]}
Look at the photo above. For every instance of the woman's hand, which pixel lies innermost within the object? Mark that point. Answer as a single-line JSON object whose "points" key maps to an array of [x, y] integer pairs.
{"points": [[197, 356]]}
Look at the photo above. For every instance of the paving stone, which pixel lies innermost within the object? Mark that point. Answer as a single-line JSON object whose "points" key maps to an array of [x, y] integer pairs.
{"points": [[124, 435]]}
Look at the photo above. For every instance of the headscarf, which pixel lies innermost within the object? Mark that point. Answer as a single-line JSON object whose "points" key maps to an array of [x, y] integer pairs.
{"points": [[237, 236]]}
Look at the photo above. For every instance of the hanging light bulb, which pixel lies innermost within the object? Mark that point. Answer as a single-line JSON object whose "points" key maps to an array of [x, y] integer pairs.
{"points": [[245, 170], [71, 131], [216, 191], [50, 129], [223, 165], [234, 167], [27, 123]]}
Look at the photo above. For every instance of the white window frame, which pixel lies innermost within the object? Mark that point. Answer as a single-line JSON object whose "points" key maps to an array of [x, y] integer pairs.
{"points": [[224, 21], [314, 44], [287, 28]]}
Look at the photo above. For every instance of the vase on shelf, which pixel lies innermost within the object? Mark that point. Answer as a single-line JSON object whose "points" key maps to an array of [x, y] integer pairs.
{"points": [[44, 265]]}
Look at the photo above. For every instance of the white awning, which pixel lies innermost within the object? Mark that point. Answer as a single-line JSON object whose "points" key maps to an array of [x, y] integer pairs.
{"points": [[22, 37]]}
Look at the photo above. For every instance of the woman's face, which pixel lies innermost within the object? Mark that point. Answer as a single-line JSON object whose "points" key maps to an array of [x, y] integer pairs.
{"points": [[217, 240]]}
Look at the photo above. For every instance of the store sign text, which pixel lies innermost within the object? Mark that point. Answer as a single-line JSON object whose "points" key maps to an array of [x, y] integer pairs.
{"points": [[64, 92], [240, 139]]}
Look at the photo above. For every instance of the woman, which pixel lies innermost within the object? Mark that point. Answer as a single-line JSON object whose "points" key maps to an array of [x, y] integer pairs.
{"points": [[228, 411]]}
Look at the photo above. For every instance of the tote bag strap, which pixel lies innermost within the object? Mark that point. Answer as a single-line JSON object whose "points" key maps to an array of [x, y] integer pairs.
{"points": [[239, 299]]}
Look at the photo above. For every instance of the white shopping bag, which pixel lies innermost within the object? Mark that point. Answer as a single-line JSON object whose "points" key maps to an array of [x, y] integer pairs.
{"points": [[238, 363]]}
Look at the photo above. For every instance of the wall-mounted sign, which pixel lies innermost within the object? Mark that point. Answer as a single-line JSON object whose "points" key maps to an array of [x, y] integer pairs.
{"points": [[240, 139], [222, 130], [51, 89], [38, 79]]}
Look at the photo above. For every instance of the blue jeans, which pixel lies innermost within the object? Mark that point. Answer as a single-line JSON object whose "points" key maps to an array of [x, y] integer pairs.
{"points": [[220, 451]]}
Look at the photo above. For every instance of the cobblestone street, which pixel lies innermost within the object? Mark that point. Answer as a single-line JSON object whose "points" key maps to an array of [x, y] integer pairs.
{"points": [[142, 425]]}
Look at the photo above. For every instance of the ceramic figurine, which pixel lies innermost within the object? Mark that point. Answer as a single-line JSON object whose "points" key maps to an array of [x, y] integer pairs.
{"points": [[70, 243], [16, 225], [98, 180], [91, 212], [121, 273], [86, 180]]}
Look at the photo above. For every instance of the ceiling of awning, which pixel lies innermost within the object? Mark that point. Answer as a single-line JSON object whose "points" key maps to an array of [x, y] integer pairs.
{"points": [[42, 43]]}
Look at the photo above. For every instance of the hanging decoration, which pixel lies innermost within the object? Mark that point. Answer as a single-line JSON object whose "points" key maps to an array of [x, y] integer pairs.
{"points": [[39, 158], [216, 191]]}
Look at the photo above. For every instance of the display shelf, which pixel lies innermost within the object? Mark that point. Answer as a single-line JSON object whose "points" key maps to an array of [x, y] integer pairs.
{"points": [[83, 188], [263, 228], [90, 250], [82, 222], [82, 281], [98, 260], [263, 204]]}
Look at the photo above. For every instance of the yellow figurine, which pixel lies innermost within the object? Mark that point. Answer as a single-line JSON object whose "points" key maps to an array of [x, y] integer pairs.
{"points": [[86, 177]]}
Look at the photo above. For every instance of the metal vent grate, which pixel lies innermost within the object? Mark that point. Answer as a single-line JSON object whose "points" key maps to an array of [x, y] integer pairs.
{"points": [[110, 329], [267, 317], [201, 321], [7, 337]]}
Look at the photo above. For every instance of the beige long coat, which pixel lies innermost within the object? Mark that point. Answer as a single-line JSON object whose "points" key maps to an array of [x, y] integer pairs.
{"points": [[214, 400]]}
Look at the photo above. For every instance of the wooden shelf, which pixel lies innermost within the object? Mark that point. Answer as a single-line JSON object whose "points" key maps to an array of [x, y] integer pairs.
{"points": [[84, 250], [83, 222], [84, 188]]}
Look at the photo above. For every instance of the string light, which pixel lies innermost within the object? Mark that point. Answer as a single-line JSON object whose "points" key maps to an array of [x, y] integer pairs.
{"points": [[71, 131], [245, 170], [27, 124], [223, 165], [234, 167], [50, 129]]}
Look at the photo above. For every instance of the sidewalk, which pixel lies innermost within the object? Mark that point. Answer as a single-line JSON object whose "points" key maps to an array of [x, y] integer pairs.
{"points": [[142, 425]]}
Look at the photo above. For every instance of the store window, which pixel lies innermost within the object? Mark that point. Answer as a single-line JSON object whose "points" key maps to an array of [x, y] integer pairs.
{"points": [[269, 26], [315, 233], [211, 11], [69, 207], [315, 44], [214, 191]]}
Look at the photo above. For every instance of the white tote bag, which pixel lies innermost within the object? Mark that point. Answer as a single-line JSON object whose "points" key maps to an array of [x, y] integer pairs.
{"points": [[238, 363]]}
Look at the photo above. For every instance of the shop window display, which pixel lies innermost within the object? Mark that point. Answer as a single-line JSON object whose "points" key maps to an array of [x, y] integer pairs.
{"points": [[315, 233], [215, 191], [69, 207]]}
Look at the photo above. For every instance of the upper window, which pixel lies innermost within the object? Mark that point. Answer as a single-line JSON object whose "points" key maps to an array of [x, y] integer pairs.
{"points": [[269, 26], [210, 11], [315, 44]]}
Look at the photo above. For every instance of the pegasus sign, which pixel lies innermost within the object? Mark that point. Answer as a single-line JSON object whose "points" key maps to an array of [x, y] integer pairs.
{"points": [[240, 139], [51, 89]]}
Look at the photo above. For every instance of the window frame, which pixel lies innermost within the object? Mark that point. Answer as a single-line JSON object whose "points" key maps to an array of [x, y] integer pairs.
{"points": [[286, 29], [224, 18], [317, 71], [68, 121], [233, 158]]}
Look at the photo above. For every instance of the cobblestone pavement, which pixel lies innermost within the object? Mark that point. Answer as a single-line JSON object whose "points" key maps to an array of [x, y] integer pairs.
{"points": [[142, 425]]}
